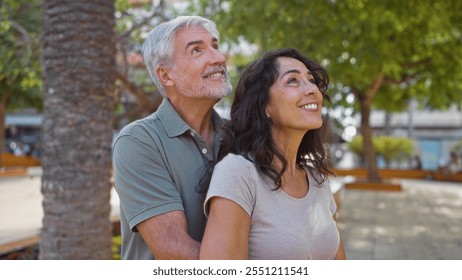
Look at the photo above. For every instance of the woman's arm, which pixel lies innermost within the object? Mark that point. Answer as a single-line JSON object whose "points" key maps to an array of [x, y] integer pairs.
{"points": [[226, 235], [341, 252]]}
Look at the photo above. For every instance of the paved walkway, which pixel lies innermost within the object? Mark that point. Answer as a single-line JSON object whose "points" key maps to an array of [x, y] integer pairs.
{"points": [[21, 211], [423, 221]]}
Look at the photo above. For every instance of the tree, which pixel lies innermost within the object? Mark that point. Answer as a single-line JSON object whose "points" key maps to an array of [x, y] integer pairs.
{"points": [[383, 52], [457, 148], [79, 87], [20, 81], [134, 20], [388, 147]]}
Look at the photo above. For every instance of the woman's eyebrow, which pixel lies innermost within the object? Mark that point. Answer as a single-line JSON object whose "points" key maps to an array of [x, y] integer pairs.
{"points": [[290, 71], [295, 71]]}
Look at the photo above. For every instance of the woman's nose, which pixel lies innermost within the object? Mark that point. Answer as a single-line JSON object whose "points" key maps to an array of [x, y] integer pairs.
{"points": [[310, 88]]}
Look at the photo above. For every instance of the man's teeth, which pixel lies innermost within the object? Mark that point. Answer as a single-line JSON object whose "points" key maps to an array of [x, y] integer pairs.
{"points": [[214, 75], [310, 106]]}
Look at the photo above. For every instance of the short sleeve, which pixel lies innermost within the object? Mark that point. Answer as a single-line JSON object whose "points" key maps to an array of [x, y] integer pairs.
{"points": [[233, 179], [328, 190], [142, 180]]}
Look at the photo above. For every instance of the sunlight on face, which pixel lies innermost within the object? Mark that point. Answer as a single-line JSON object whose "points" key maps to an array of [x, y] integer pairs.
{"points": [[199, 68]]}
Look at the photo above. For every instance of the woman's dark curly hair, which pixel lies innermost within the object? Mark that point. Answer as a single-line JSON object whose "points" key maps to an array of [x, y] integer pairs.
{"points": [[248, 133]]}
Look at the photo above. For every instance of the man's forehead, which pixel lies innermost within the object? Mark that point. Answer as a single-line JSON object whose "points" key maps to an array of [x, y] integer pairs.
{"points": [[188, 34]]}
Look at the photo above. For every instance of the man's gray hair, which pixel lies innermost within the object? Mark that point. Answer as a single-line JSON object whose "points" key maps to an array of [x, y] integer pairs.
{"points": [[159, 45]]}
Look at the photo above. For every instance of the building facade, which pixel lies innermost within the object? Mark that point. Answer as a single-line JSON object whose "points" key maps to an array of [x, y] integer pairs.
{"points": [[434, 132]]}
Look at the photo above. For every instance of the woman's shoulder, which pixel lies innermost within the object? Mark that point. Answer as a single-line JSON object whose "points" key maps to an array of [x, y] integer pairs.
{"points": [[316, 178], [234, 164], [233, 159]]}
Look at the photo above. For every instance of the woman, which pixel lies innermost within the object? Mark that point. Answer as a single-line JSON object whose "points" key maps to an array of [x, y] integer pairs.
{"points": [[268, 196]]}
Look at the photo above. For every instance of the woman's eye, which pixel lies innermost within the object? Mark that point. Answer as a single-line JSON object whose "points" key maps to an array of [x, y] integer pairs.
{"points": [[292, 81]]}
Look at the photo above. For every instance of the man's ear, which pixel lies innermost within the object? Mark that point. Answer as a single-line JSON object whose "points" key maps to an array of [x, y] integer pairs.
{"points": [[163, 74]]}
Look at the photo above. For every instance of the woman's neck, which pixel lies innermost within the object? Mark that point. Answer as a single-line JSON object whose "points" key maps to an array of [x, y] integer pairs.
{"points": [[288, 145]]}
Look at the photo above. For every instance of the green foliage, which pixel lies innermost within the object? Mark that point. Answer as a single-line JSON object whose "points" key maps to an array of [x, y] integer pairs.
{"points": [[388, 147], [20, 69], [116, 245], [393, 148], [122, 5], [356, 146], [416, 44], [457, 148]]}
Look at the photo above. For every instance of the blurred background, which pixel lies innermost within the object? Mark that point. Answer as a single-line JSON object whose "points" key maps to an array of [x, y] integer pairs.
{"points": [[409, 51], [395, 85]]}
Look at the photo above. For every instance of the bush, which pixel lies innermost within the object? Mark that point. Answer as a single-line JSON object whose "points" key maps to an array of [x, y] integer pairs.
{"points": [[116, 243], [356, 146], [388, 147], [457, 148]]}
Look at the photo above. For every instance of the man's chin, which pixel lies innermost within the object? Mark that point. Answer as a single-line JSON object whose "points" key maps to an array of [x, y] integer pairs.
{"points": [[219, 93]]}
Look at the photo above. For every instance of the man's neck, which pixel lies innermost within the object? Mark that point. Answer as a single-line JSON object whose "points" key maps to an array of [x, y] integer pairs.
{"points": [[197, 113]]}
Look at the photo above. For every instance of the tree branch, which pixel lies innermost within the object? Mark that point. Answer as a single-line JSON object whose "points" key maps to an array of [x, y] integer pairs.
{"points": [[412, 64], [158, 11], [404, 79], [146, 101], [374, 87], [26, 40]]}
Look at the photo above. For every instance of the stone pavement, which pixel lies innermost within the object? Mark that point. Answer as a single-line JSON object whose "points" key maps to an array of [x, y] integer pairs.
{"points": [[21, 211], [421, 222]]}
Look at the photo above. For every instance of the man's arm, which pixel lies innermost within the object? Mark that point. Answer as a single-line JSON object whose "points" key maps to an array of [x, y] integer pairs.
{"points": [[167, 237]]}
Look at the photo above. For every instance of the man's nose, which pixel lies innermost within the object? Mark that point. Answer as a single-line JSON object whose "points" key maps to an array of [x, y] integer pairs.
{"points": [[217, 57]]}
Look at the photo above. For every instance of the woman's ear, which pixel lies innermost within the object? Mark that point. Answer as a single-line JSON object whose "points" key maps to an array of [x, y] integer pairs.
{"points": [[164, 77], [267, 113]]}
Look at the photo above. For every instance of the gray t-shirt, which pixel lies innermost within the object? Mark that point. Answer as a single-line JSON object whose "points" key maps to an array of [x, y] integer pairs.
{"points": [[158, 163], [282, 227]]}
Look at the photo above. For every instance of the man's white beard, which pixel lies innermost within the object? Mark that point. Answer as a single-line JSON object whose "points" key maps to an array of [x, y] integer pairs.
{"points": [[201, 90]]}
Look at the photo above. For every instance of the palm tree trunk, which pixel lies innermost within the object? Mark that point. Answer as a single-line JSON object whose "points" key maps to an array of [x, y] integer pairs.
{"points": [[78, 69]]}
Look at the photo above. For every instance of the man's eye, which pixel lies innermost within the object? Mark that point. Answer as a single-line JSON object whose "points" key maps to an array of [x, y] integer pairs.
{"points": [[196, 50]]}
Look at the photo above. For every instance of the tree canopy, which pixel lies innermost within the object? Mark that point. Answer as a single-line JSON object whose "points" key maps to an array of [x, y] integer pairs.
{"points": [[20, 73], [415, 44], [385, 53]]}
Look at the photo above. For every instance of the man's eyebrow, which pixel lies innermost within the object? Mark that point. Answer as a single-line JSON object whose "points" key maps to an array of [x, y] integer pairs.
{"points": [[198, 42]]}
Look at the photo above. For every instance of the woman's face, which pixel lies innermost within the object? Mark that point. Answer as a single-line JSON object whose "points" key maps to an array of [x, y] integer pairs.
{"points": [[295, 101]]}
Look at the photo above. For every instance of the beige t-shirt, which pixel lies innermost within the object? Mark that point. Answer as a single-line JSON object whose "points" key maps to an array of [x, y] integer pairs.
{"points": [[282, 227]]}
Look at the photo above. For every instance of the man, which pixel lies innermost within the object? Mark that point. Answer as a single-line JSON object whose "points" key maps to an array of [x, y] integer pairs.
{"points": [[159, 161]]}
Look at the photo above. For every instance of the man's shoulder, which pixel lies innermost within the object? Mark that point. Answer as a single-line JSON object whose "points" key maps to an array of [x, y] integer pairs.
{"points": [[141, 128]]}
